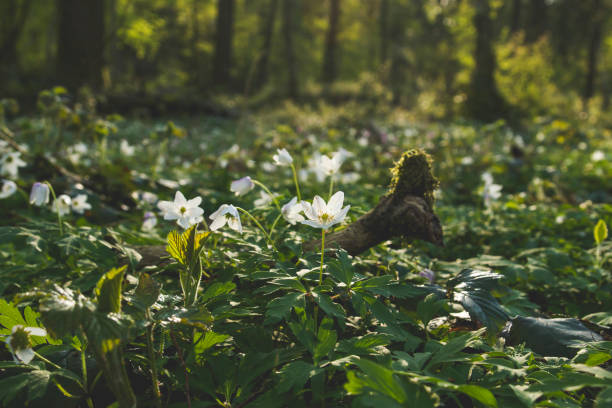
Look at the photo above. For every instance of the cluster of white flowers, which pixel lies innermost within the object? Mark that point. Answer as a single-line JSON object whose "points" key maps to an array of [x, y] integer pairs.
{"points": [[10, 162], [490, 191], [63, 204]]}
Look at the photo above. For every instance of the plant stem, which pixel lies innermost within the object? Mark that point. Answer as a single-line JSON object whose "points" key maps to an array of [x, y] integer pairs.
{"points": [[248, 214], [295, 180], [59, 216], [179, 352], [84, 374], [274, 223], [260, 184], [152, 362], [331, 186], [51, 363], [322, 255]]}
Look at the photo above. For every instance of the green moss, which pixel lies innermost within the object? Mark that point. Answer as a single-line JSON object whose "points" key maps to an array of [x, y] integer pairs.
{"points": [[412, 175]]}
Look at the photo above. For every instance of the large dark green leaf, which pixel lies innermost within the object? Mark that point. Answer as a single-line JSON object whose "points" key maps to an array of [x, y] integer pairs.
{"points": [[550, 337]]}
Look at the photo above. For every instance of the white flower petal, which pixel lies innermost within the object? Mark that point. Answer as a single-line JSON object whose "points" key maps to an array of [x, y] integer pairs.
{"points": [[25, 355], [335, 202], [218, 222], [36, 331]]}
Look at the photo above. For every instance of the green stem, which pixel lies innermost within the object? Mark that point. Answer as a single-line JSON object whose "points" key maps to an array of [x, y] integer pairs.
{"points": [[59, 216], [152, 362], [322, 255], [90, 403], [51, 363], [274, 223], [248, 214], [295, 180], [331, 186], [260, 184]]}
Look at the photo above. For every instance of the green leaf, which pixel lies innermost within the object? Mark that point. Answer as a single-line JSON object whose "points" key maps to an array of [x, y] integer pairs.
{"points": [[204, 341], [329, 306], [527, 397], [281, 307], [217, 289], [33, 383], [341, 268], [479, 393], [550, 337], [602, 318], [294, 375], [451, 350], [326, 339], [108, 290], [184, 246], [600, 232], [604, 398], [429, 307], [377, 378], [148, 290]]}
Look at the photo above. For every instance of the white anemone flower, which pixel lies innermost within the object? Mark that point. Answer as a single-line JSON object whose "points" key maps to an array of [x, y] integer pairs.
{"points": [[80, 204], [227, 213], [282, 158], [264, 199], [19, 342], [598, 155], [8, 188], [242, 186], [490, 191], [10, 164], [324, 215], [61, 204], [330, 166], [185, 212], [126, 149], [39, 195], [291, 211], [150, 221]]}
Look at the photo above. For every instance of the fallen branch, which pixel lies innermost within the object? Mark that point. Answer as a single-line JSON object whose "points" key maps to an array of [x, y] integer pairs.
{"points": [[405, 211]]}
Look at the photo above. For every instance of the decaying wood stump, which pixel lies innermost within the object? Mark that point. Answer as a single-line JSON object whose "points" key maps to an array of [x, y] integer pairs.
{"points": [[405, 211]]}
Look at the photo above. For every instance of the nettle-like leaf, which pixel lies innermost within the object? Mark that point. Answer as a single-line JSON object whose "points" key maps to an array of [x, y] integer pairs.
{"points": [[147, 292], [184, 246], [471, 288]]}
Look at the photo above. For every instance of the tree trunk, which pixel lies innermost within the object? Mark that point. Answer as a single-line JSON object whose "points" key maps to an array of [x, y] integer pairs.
{"points": [[331, 43], [484, 101], [222, 62], [288, 30], [515, 23], [537, 20], [594, 45], [80, 42], [11, 27], [267, 32], [383, 21]]}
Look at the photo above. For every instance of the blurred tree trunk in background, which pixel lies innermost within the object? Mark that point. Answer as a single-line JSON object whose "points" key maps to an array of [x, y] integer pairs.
{"points": [[515, 22], [267, 32], [330, 55], [223, 42], [598, 17], [537, 20], [80, 42], [484, 101], [12, 20], [383, 21], [288, 31]]}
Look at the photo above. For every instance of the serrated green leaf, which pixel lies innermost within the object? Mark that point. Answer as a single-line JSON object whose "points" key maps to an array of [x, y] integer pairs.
{"points": [[204, 341], [326, 339], [148, 290], [294, 375], [329, 306], [377, 378], [280, 308], [604, 398]]}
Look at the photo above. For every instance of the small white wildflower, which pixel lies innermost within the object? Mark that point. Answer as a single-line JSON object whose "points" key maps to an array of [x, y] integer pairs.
{"points": [[226, 214], [61, 205], [39, 195], [242, 186], [80, 204], [19, 344], [324, 215], [150, 221], [264, 199], [126, 149], [282, 158], [185, 212], [598, 155], [10, 164], [291, 211], [8, 188]]}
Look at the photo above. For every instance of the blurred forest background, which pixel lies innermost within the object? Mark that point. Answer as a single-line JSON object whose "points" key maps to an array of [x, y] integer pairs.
{"points": [[479, 59]]}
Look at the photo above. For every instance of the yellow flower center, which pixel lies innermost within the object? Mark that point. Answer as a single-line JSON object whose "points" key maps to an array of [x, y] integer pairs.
{"points": [[183, 210], [325, 217], [20, 340]]}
